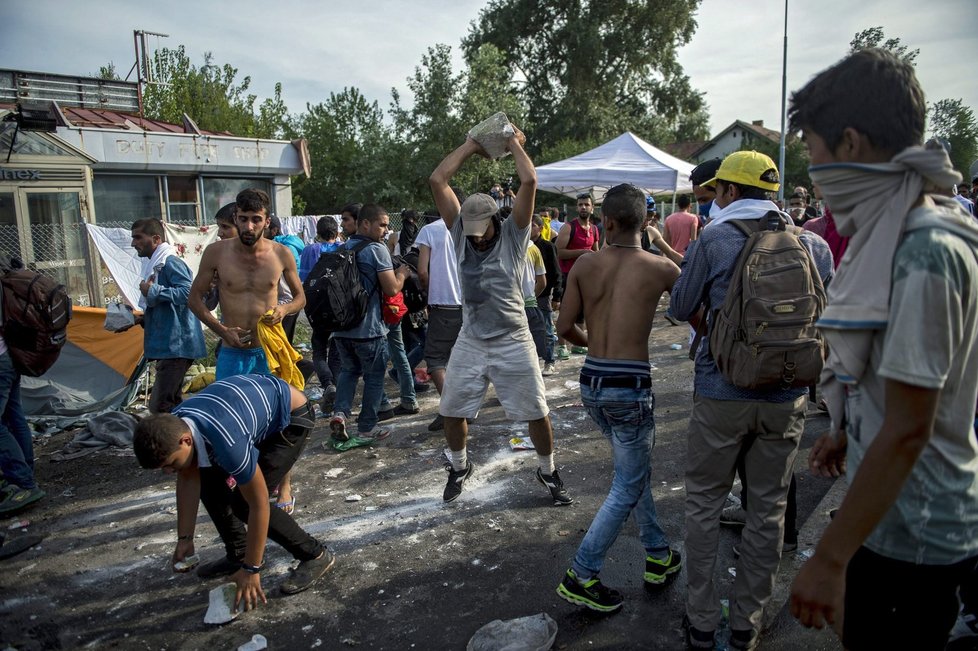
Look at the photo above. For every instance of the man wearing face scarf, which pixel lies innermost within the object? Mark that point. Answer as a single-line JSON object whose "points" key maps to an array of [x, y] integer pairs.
{"points": [[901, 378], [494, 344]]}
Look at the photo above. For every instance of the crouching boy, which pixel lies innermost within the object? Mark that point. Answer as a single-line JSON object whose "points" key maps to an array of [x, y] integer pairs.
{"points": [[227, 444]]}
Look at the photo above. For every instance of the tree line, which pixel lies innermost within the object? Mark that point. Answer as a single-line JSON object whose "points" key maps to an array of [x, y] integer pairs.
{"points": [[572, 73]]}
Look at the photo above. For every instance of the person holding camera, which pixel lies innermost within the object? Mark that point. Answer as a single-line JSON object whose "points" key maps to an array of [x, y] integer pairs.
{"points": [[503, 194]]}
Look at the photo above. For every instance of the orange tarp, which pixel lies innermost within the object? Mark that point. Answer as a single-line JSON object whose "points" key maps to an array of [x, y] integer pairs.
{"points": [[119, 350]]}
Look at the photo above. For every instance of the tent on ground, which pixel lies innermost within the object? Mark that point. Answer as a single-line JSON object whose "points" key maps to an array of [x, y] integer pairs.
{"points": [[626, 159], [97, 370]]}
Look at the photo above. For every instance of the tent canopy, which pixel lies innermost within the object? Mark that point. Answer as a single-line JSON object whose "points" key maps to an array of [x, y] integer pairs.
{"points": [[96, 370], [626, 159]]}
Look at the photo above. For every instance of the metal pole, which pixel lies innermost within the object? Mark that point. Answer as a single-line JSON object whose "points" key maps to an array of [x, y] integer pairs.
{"points": [[784, 98]]}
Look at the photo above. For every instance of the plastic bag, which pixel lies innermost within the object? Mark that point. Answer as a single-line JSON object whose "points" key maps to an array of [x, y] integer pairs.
{"points": [[118, 317], [531, 633]]}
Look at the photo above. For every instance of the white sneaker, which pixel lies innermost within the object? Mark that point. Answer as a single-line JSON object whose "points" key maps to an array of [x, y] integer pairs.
{"points": [[549, 369]]}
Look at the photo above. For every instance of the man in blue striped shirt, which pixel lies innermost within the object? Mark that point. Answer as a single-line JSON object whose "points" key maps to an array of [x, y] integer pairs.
{"points": [[227, 445]]}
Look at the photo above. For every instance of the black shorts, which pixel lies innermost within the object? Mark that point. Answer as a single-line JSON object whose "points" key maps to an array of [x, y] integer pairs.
{"points": [[444, 324], [893, 604]]}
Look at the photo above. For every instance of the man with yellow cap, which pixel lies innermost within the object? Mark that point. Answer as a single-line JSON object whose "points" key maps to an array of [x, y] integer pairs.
{"points": [[763, 425]]}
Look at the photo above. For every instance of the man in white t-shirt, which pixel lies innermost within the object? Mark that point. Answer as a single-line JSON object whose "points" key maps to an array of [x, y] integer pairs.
{"points": [[438, 272]]}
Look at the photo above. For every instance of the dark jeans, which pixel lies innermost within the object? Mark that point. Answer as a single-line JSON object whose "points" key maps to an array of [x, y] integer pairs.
{"points": [[326, 358], [288, 325], [229, 510], [538, 330], [16, 439], [167, 392]]}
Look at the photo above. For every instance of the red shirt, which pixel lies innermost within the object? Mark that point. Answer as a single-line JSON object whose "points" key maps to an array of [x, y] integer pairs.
{"points": [[580, 239]]}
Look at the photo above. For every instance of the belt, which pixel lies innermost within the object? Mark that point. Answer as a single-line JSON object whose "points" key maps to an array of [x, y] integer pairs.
{"points": [[446, 307], [617, 381]]}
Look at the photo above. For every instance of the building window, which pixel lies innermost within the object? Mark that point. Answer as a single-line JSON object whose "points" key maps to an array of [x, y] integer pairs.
{"points": [[220, 192], [121, 200], [182, 200]]}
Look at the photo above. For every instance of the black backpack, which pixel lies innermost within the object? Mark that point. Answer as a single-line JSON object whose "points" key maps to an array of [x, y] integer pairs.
{"points": [[335, 297], [35, 314]]}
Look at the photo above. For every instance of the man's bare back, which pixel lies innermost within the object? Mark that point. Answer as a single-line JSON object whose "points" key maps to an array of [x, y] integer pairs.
{"points": [[248, 279], [619, 289]]}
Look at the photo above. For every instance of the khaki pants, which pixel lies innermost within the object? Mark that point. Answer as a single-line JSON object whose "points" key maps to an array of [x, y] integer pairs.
{"points": [[720, 431]]}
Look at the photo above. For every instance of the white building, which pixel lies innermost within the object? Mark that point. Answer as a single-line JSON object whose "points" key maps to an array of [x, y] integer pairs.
{"points": [[90, 158]]}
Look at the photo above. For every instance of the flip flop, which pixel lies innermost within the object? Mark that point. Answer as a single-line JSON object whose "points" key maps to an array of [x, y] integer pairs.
{"points": [[288, 507]]}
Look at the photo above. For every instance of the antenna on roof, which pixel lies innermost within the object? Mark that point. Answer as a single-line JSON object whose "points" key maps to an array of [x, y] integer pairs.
{"points": [[144, 64]]}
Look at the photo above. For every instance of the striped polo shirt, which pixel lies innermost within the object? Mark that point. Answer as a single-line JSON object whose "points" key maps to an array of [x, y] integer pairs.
{"points": [[232, 416]]}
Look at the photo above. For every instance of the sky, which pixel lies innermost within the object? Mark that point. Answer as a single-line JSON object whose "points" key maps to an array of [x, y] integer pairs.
{"points": [[315, 47]]}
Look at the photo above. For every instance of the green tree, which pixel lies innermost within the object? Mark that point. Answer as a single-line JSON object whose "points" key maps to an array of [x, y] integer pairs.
{"points": [[445, 106], [431, 127], [952, 120], [874, 37], [796, 160], [345, 134], [107, 72], [210, 95], [591, 69]]}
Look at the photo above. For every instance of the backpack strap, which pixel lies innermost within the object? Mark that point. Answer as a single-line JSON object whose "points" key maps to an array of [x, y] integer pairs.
{"points": [[772, 220], [360, 246]]}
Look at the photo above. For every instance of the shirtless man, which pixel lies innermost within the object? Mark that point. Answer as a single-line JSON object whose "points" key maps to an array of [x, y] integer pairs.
{"points": [[609, 285], [250, 268]]}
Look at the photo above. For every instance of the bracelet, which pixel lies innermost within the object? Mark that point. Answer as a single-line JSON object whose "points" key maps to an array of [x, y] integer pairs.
{"points": [[189, 536], [251, 569]]}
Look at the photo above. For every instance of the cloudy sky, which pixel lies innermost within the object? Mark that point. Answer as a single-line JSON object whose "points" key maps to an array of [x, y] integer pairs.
{"points": [[315, 47]]}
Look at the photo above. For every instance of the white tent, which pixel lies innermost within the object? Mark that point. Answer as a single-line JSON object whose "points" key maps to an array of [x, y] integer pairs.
{"points": [[626, 159]]}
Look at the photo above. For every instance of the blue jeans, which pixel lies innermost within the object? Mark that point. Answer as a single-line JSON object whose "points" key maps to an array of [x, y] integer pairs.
{"points": [[16, 439], [625, 418], [366, 357], [405, 378]]}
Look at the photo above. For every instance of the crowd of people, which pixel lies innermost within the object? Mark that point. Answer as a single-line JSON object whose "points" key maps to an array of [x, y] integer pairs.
{"points": [[884, 259]]}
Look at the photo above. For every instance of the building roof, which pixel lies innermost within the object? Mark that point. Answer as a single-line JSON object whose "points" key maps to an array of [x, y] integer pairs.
{"points": [[105, 119], [684, 150], [757, 128]]}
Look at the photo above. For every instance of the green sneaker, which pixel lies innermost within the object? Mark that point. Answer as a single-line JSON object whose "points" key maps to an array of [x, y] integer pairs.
{"points": [[590, 594], [656, 571], [20, 498], [562, 353], [579, 350]]}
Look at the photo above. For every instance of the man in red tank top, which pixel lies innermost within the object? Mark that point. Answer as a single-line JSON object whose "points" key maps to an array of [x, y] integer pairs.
{"points": [[576, 238]]}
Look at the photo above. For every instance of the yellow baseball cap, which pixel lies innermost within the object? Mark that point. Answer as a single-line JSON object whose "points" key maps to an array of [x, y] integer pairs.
{"points": [[750, 168]]}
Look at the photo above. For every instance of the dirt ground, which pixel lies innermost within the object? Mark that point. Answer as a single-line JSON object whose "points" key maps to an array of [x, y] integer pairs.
{"points": [[412, 572]]}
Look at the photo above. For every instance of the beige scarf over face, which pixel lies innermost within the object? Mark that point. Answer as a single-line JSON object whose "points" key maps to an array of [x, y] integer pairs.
{"points": [[869, 204]]}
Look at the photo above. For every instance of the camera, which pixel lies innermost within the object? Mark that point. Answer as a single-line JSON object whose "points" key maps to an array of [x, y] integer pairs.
{"points": [[507, 184]]}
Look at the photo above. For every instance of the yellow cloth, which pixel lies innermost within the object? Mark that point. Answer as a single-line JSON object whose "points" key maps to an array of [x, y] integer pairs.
{"points": [[546, 232], [280, 353]]}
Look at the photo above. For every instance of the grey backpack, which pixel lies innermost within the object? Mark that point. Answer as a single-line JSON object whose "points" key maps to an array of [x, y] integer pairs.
{"points": [[764, 334]]}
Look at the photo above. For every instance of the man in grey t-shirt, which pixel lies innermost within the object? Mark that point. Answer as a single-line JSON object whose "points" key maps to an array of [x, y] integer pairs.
{"points": [[495, 343]]}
